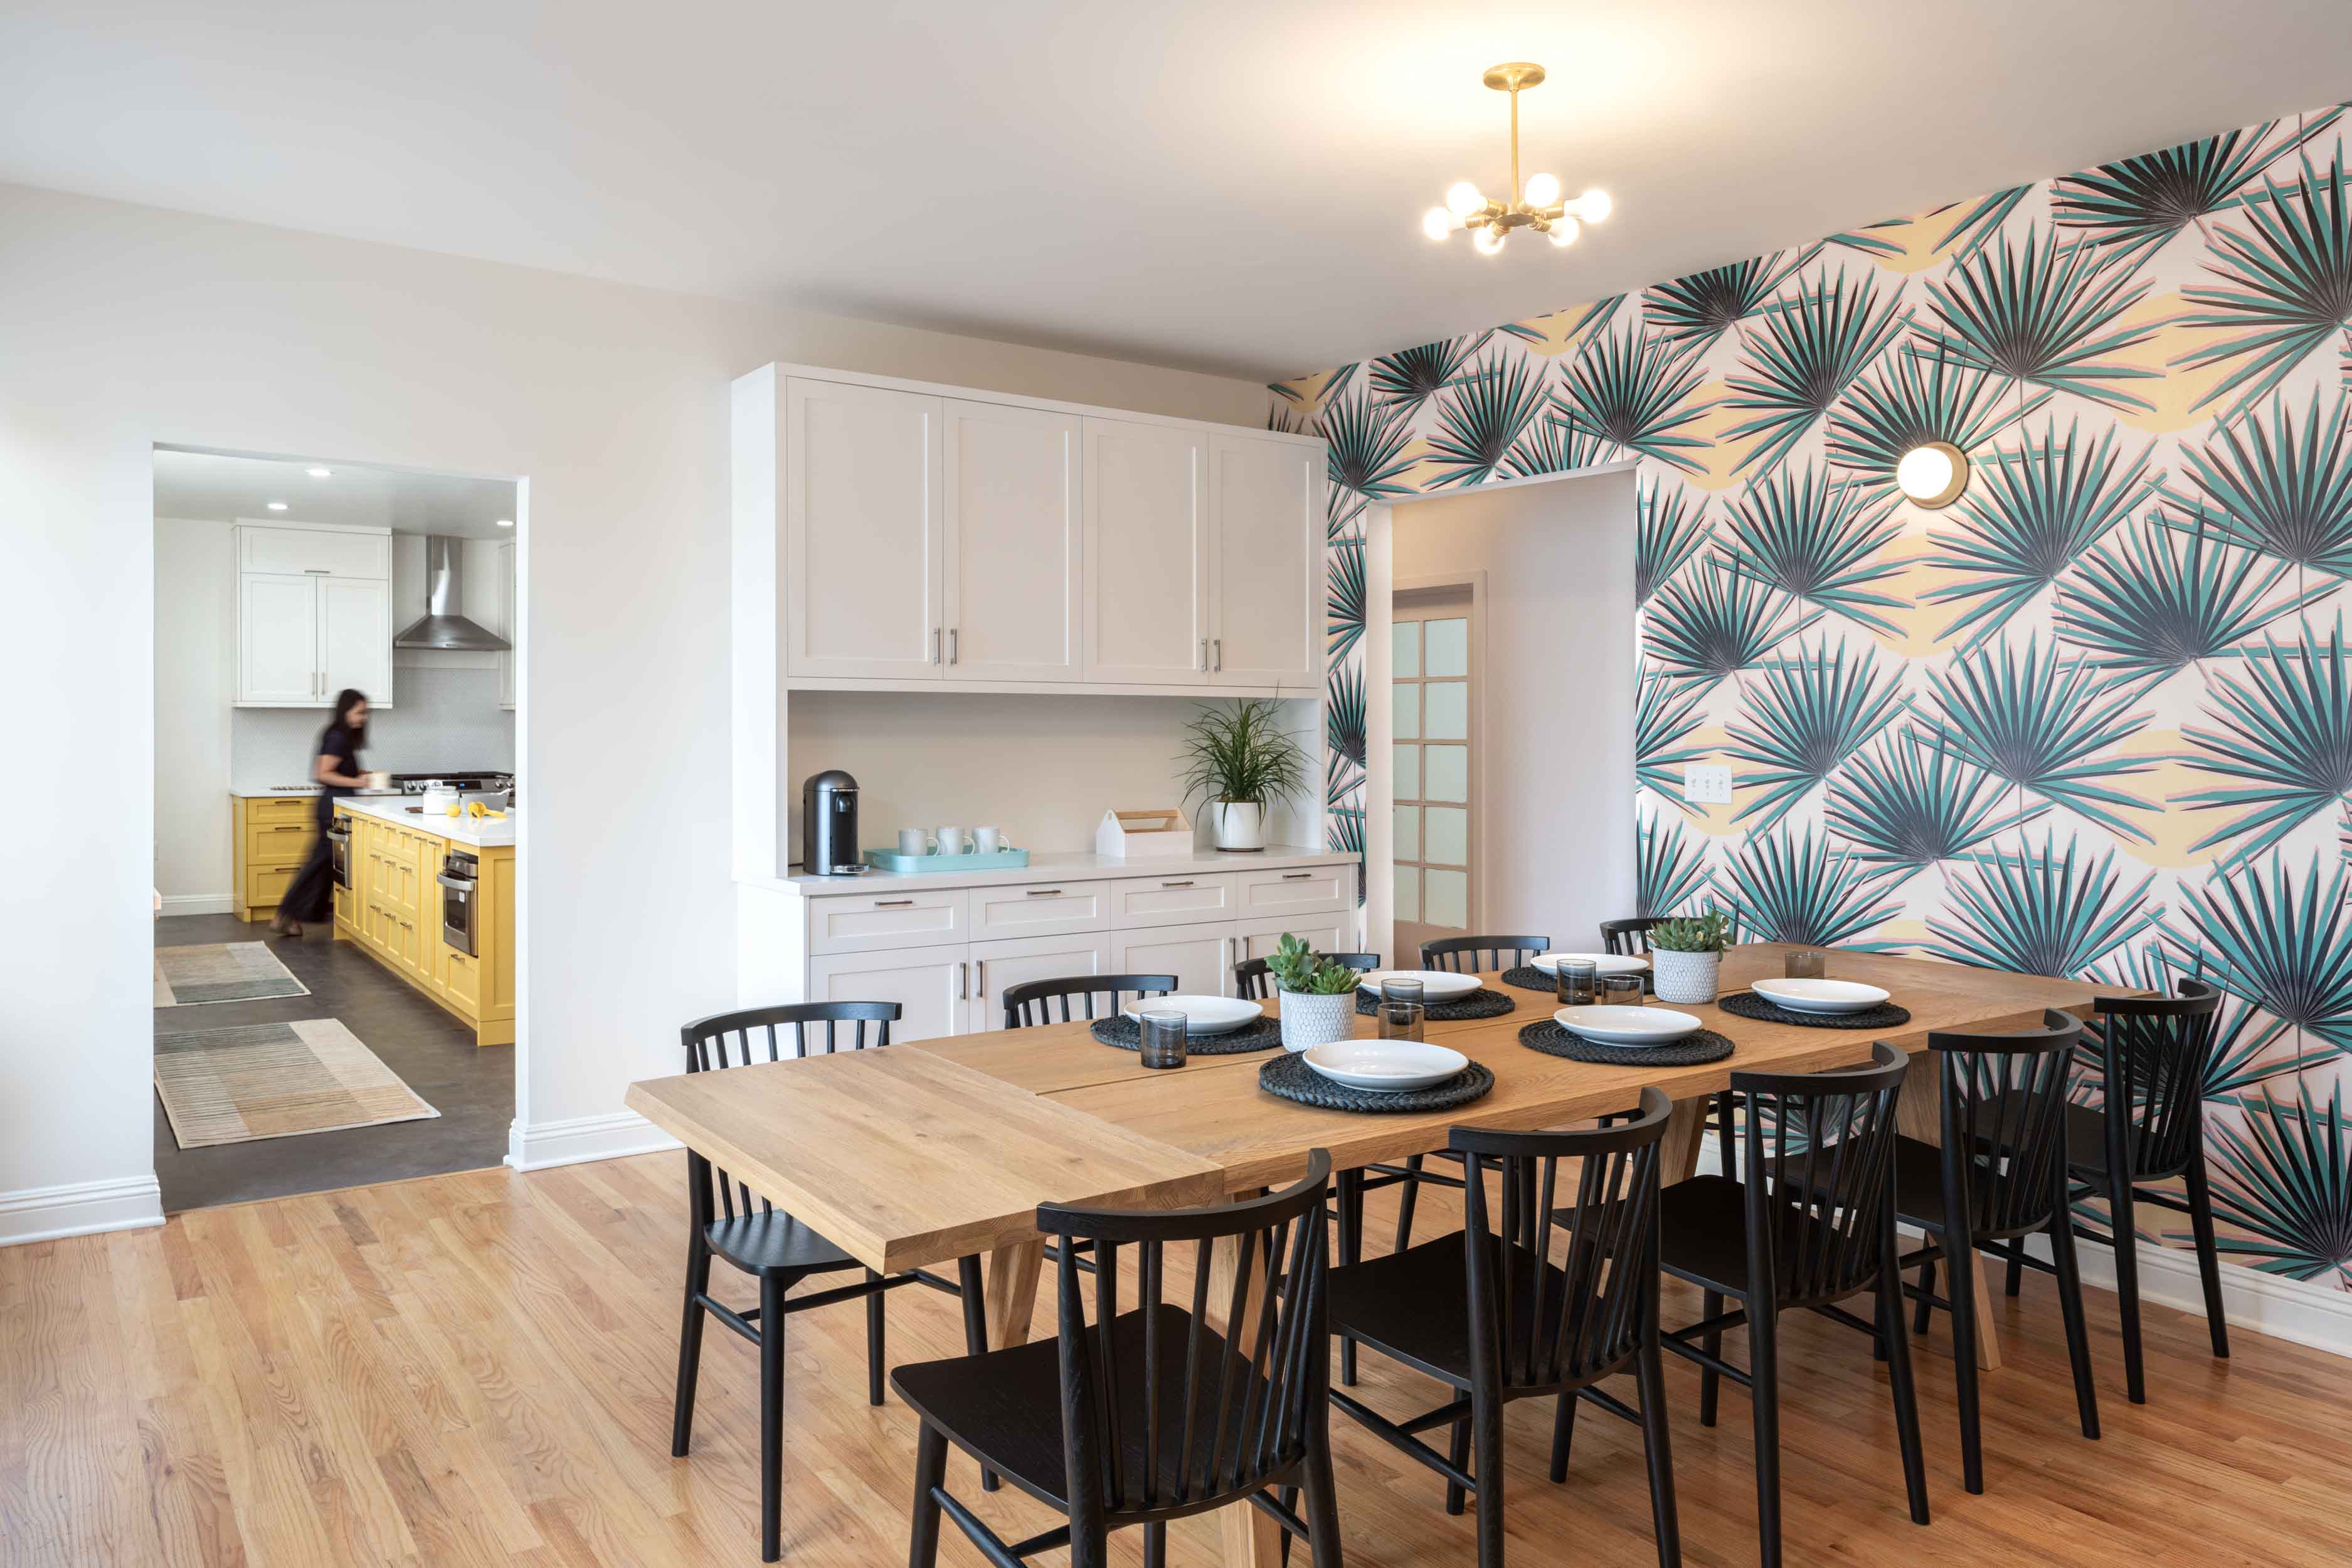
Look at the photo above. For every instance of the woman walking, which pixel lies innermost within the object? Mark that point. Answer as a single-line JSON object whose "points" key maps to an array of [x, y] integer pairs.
{"points": [[337, 769]]}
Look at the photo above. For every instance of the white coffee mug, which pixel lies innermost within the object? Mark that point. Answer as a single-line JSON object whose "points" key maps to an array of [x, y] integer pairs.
{"points": [[914, 841], [951, 841], [988, 841]]}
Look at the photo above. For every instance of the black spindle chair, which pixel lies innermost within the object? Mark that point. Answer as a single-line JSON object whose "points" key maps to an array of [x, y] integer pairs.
{"points": [[1628, 938], [1148, 1414], [1822, 1233], [2152, 1055], [1032, 1003], [1253, 981], [730, 1221], [1486, 1312]]}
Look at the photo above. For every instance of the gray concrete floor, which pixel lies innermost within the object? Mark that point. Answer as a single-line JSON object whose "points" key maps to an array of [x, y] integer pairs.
{"points": [[472, 1086]]}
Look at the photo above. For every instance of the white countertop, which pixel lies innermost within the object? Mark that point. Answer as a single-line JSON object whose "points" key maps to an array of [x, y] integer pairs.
{"points": [[1049, 865], [489, 833], [291, 792]]}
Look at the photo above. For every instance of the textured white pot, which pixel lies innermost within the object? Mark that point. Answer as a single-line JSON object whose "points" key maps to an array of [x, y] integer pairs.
{"points": [[1239, 824], [1686, 976], [1309, 1020]]}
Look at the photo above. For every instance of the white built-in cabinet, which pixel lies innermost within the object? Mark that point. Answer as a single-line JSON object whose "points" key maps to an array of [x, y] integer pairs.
{"points": [[314, 614], [931, 537]]}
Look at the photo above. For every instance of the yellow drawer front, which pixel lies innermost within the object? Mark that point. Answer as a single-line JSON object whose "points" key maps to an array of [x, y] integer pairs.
{"points": [[464, 984], [267, 885], [291, 808], [284, 843]]}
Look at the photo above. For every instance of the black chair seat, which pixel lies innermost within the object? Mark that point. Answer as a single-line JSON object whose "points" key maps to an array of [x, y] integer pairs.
{"points": [[1411, 1305], [1005, 1407], [1704, 1223], [774, 1243]]}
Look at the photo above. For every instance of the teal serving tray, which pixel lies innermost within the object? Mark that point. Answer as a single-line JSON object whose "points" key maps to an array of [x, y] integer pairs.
{"points": [[995, 860]]}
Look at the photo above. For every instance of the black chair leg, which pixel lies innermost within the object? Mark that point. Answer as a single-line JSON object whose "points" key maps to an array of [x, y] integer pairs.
{"points": [[1487, 1434], [689, 1344], [1899, 1358], [2122, 1223], [1155, 1546], [1563, 1432], [1322, 1500], [771, 1414], [1926, 1290], [1764, 1369], [1410, 1192], [1459, 1452], [1726, 1145], [1658, 1449], [975, 1328], [1960, 1266], [2069, 1307], [874, 1336], [1710, 1382], [2209, 1256], [930, 1470], [2017, 1260], [1288, 1497], [1350, 1199]]}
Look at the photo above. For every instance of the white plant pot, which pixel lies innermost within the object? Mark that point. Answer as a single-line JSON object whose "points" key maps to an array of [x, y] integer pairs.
{"points": [[1309, 1020], [1686, 976], [1239, 824]]}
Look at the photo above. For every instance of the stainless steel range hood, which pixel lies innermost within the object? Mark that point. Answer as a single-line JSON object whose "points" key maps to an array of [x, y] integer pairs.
{"points": [[442, 627]]}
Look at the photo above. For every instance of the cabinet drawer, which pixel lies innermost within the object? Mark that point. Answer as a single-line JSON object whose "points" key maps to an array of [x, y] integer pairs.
{"points": [[462, 982], [867, 922], [1325, 933], [1173, 899], [1039, 909], [265, 886], [278, 844], [288, 808], [1307, 890]]}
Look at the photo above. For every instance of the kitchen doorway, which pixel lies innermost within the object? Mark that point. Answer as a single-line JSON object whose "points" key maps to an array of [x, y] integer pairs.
{"points": [[1434, 686]]}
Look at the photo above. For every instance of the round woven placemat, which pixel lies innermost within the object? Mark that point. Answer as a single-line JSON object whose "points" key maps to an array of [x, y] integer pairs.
{"points": [[1480, 1004], [1544, 1035], [1127, 1034], [1747, 1004], [1527, 977], [1290, 1077]]}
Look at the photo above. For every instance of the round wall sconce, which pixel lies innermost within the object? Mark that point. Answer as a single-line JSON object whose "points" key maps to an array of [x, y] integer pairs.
{"points": [[1932, 474]]}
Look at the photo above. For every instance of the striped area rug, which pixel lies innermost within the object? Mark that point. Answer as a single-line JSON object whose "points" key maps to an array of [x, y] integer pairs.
{"points": [[275, 1081], [221, 972]]}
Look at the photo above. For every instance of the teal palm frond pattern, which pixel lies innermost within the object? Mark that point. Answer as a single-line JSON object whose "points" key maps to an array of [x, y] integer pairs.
{"points": [[2095, 715]]}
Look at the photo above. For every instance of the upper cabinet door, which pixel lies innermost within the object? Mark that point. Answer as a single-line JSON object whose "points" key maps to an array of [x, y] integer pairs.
{"points": [[277, 640], [864, 540], [355, 637], [1012, 580], [321, 552], [1267, 498], [1146, 553]]}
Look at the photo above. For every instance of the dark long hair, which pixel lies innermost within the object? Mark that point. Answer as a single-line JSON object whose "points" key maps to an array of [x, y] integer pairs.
{"points": [[345, 701]]}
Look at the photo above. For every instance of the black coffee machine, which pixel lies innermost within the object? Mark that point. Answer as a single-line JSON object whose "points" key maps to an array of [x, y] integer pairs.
{"points": [[829, 826]]}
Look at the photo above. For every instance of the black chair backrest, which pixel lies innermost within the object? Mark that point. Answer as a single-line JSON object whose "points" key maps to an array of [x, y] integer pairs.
{"points": [[1817, 1233], [1031, 1003], [2004, 1124], [761, 1033], [1534, 1327], [1142, 1435], [1470, 954], [1254, 983], [1627, 938], [2152, 1056]]}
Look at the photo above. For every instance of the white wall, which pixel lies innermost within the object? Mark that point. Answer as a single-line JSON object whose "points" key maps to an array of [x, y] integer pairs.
{"points": [[125, 326], [1556, 850], [195, 681], [444, 718]]}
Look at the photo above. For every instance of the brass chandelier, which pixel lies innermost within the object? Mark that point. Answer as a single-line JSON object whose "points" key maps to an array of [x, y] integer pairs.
{"points": [[1537, 204]]}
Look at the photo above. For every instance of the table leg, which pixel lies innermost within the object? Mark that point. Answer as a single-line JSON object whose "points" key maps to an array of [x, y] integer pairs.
{"points": [[1685, 1125], [1920, 1114], [1249, 1539], [1012, 1273]]}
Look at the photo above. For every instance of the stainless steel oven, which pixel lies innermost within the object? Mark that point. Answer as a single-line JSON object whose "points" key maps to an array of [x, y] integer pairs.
{"points": [[339, 837], [460, 902]]}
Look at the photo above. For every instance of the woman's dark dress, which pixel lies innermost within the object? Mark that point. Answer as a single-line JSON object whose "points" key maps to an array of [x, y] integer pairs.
{"points": [[310, 897]]}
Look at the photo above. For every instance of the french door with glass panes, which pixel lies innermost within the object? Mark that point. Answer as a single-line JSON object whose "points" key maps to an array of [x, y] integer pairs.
{"points": [[1436, 745]]}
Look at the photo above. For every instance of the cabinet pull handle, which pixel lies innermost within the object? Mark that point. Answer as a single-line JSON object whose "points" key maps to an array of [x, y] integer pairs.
{"points": [[1296, 876], [964, 981], [1045, 892], [935, 645], [894, 903], [953, 633], [980, 990], [1217, 662], [1204, 655], [315, 570], [1175, 884]]}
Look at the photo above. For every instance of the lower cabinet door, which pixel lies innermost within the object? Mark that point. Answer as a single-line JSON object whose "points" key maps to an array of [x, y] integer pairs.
{"points": [[1201, 957], [933, 984], [997, 964], [1324, 933]]}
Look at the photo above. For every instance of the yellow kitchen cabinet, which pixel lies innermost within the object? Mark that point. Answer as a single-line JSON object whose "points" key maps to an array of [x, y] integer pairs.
{"points": [[395, 919], [273, 838]]}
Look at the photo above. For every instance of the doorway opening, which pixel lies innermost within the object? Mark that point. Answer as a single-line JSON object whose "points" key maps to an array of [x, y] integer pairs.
{"points": [[337, 697]]}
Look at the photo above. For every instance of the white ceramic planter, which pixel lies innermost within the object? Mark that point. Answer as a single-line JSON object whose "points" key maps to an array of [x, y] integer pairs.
{"points": [[1686, 976], [1239, 824], [1309, 1020]]}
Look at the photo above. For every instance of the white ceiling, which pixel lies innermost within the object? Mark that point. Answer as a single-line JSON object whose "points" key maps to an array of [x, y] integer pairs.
{"points": [[1232, 186], [223, 488]]}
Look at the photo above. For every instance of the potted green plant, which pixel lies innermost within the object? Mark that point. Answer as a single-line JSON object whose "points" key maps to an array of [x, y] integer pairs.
{"points": [[1686, 956], [1318, 995], [1235, 761]]}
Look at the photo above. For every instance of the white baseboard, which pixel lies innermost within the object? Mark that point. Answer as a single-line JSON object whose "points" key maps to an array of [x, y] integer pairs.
{"points": [[84, 1208], [198, 904], [544, 1144]]}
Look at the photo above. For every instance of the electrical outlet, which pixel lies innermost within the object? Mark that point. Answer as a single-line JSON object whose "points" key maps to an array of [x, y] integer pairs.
{"points": [[1707, 785]]}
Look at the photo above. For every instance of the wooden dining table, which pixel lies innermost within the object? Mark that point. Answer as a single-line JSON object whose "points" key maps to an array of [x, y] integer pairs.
{"points": [[930, 1151]]}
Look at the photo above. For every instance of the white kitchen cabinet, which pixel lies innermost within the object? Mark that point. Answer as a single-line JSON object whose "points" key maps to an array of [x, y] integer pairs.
{"points": [[1146, 553], [316, 551], [865, 532], [310, 619], [1201, 957], [355, 636], [859, 922], [1179, 898], [932, 985], [1267, 553], [998, 964], [278, 639], [1013, 586], [1039, 909]]}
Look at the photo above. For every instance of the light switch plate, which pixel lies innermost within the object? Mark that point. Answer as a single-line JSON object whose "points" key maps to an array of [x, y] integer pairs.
{"points": [[1704, 785]]}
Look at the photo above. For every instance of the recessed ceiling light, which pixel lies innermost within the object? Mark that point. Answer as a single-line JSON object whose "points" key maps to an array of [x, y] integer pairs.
{"points": [[319, 473], [278, 506], [506, 522]]}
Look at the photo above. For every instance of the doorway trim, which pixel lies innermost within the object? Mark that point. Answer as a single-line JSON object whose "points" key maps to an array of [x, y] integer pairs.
{"points": [[1475, 581]]}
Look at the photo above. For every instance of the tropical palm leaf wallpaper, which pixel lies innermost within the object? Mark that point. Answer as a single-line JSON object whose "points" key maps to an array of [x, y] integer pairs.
{"points": [[2093, 719]]}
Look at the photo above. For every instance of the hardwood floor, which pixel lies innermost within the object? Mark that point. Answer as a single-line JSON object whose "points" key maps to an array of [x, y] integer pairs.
{"points": [[477, 1369]]}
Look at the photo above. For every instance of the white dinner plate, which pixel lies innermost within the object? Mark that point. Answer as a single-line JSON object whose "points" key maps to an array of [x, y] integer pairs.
{"points": [[1820, 995], [1626, 1026], [1436, 984], [1204, 1014], [1602, 963], [1384, 1064]]}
